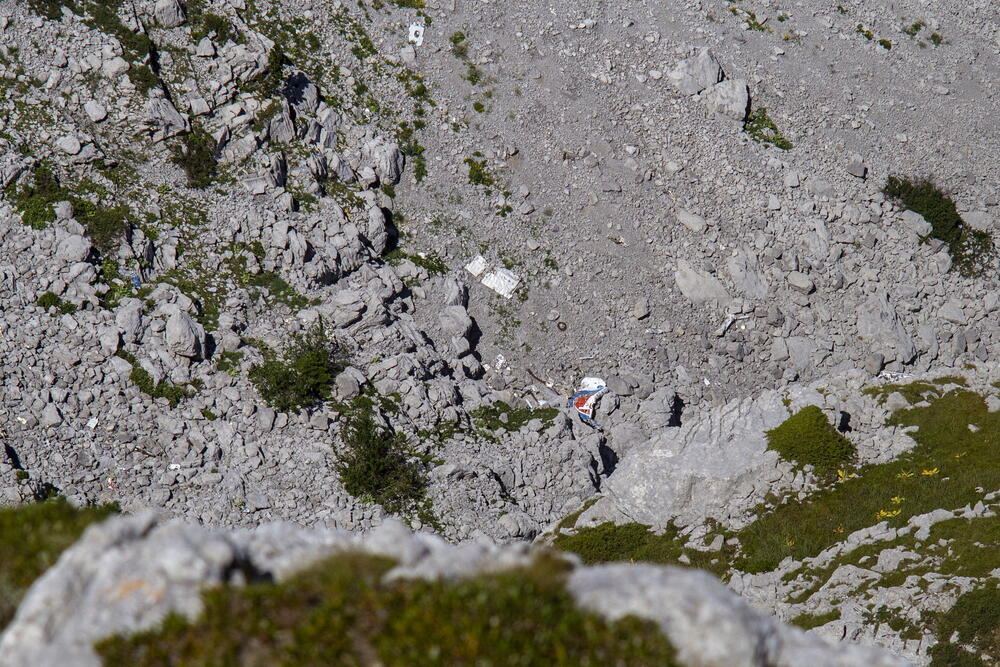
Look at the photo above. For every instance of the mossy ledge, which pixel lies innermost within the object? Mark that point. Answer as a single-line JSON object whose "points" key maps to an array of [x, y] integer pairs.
{"points": [[343, 611]]}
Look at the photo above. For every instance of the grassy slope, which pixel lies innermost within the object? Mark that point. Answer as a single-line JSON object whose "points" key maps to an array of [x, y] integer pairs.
{"points": [[31, 539]]}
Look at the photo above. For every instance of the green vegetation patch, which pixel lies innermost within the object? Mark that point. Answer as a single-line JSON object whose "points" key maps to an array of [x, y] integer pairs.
{"points": [[35, 201], [501, 416], [635, 542], [302, 374], [810, 621], [430, 262], [760, 126], [972, 250], [205, 23], [976, 618], [914, 392], [807, 437], [140, 377], [376, 464], [479, 173], [343, 612], [948, 467], [33, 538], [51, 300], [198, 155]]}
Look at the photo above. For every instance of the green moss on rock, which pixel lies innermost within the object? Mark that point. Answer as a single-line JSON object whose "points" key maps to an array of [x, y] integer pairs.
{"points": [[635, 542], [807, 437], [343, 612]]}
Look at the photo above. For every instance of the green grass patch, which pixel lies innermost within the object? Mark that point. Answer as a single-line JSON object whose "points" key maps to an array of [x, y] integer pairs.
{"points": [[501, 416], [976, 618], [760, 126], [430, 262], [229, 362], [51, 300], [948, 467], [34, 536], [635, 542], [342, 611], [570, 519], [810, 621], [302, 375], [913, 392], [459, 46], [971, 250], [808, 438]]}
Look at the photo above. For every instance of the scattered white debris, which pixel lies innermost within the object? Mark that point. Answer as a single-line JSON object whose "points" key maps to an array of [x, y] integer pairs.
{"points": [[174, 466], [502, 281], [416, 34], [477, 266], [728, 322], [92, 423]]}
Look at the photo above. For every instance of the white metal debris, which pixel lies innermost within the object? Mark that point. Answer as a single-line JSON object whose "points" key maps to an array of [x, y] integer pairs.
{"points": [[502, 281], [477, 266], [416, 36]]}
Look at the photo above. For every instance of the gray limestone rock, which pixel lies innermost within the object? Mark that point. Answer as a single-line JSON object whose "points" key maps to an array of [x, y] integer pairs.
{"points": [[744, 270], [880, 327], [694, 75], [169, 13], [683, 603], [185, 337], [74, 248], [730, 98], [709, 466], [699, 286]]}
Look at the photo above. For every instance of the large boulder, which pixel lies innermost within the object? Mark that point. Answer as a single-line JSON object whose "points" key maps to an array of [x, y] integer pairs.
{"points": [[169, 13], [729, 98], [880, 327], [185, 337], [385, 158], [695, 74], [716, 466]]}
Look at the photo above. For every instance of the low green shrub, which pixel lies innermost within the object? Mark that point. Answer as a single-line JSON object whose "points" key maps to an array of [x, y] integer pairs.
{"points": [[50, 300], [302, 375], [34, 536], [35, 200], [344, 611], [375, 463], [971, 250], [198, 155], [808, 438]]}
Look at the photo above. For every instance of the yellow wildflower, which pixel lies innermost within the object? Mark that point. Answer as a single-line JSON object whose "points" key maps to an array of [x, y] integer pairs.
{"points": [[897, 499], [904, 475], [929, 473]]}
